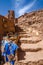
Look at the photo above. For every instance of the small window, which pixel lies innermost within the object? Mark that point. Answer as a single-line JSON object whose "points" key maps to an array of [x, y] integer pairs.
{"points": [[4, 20]]}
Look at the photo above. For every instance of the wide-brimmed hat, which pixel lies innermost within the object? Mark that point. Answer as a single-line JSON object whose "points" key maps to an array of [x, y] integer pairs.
{"points": [[13, 38], [5, 37]]}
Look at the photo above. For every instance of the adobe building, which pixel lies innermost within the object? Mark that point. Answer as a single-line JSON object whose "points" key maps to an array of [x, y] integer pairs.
{"points": [[7, 24]]}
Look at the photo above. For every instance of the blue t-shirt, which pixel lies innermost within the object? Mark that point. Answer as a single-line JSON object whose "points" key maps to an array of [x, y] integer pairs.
{"points": [[4, 42], [10, 48]]}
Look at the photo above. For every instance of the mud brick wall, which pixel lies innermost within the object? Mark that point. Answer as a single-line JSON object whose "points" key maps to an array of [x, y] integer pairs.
{"points": [[7, 24]]}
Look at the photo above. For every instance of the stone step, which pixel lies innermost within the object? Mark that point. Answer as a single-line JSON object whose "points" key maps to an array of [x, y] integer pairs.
{"points": [[29, 41], [22, 62], [32, 50], [22, 32], [32, 46], [25, 34], [28, 33], [24, 27], [32, 56], [31, 38]]}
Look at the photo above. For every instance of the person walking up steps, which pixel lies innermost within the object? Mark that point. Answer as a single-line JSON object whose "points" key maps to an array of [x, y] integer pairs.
{"points": [[9, 52]]}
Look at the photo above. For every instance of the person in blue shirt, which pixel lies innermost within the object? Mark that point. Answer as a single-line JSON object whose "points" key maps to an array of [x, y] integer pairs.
{"points": [[9, 51], [3, 43]]}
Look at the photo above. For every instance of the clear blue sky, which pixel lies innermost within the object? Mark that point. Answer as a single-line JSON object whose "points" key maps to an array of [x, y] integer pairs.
{"points": [[20, 6]]}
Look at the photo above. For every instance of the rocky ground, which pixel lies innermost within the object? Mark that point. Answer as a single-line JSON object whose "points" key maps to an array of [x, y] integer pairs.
{"points": [[31, 38]]}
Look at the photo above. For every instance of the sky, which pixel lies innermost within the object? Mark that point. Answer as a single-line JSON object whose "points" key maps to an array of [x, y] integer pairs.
{"points": [[20, 6]]}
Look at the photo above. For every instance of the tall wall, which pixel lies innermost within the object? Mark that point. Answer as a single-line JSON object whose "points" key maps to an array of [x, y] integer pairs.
{"points": [[11, 17], [7, 24]]}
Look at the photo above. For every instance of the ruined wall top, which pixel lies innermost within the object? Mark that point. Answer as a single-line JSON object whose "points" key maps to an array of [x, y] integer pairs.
{"points": [[11, 14]]}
